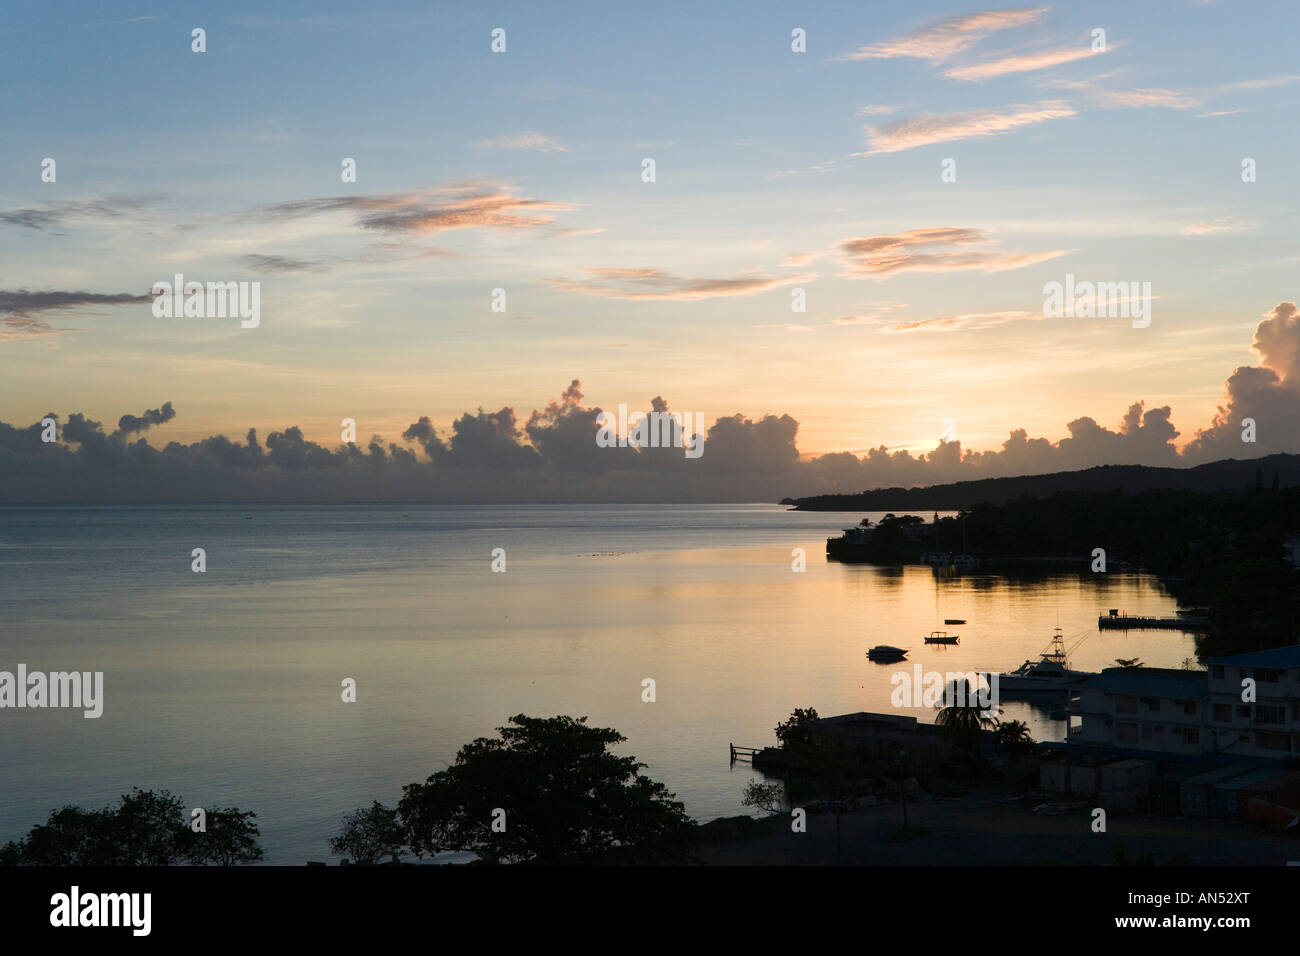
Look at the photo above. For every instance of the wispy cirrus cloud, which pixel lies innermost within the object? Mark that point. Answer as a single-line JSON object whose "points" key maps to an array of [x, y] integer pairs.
{"points": [[964, 321], [943, 40], [538, 142], [470, 206], [1225, 224], [656, 284], [1020, 63], [51, 216], [926, 130], [22, 313], [264, 263], [879, 257]]}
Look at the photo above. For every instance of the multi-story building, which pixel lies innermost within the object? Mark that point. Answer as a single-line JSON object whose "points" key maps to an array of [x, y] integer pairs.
{"points": [[1247, 705]]}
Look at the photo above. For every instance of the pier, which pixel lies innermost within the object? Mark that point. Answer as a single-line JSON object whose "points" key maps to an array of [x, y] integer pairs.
{"points": [[743, 753], [1123, 622]]}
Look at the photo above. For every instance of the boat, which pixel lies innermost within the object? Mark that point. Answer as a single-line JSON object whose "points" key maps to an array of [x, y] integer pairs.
{"points": [[954, 620], [1051, 672], [883, 652], [941, 637]]}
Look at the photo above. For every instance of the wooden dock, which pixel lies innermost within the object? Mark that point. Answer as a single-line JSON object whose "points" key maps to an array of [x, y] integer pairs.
{"points": [[1115, 622], [743, 753]]}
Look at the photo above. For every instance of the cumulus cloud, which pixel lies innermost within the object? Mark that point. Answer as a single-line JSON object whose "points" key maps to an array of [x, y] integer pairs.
{"points": [[1268, 394], [553, 456]]}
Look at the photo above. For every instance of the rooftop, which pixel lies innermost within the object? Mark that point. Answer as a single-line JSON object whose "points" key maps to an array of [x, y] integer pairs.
{"points": [[1150, 682], [1281, 657]]}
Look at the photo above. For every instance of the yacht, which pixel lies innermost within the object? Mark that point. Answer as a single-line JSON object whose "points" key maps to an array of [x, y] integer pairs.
{"points": [[1051, 672]]}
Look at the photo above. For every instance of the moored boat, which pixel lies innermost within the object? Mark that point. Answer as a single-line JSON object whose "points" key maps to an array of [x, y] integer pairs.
{"points": [[941, 637], [883, 652], [1051, 672]]}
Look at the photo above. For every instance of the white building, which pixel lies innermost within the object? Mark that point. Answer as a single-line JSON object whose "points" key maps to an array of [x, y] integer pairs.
{"points": [[1195, 712]]}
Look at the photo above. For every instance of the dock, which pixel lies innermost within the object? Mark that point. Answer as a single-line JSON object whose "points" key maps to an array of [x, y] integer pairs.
{"points": [[743, 753], [1115, 622]]}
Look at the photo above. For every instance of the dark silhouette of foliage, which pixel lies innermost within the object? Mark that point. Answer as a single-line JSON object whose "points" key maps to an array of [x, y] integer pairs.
{"points": [[370, 834], [566, 798], [144, 829]]}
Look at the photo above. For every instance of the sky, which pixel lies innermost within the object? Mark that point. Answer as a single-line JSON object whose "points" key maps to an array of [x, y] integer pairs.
{"points": [[777, 174]]}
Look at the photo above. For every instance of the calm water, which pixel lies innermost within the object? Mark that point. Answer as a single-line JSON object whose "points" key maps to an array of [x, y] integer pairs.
{"points": [[224, 687]]}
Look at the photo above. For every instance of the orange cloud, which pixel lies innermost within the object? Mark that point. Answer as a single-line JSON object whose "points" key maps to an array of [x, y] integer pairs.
{"points": [[947, 38], [927, 129], [657, 284]]}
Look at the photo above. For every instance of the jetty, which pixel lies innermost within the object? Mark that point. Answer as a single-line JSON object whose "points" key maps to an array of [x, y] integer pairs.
{"points": [[1115, 621]]}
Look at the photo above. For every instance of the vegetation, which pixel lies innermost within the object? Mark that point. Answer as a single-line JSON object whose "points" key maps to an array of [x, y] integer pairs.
{"points": [[1223, 551], [961, 717], [144, 829], [370, 834], [1013, 737], [547, 790]]}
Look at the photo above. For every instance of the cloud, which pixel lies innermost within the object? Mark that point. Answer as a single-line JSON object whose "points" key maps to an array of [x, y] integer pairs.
{"points": [[926, 130], [1019, 63], [964, 321], [1136, 98], [51, 215], [538, 142], [655, 284], [883, 256], [131, 424], [1217, 226], [470, 206], [22, 312], [1268, 394], [262, 263], [945, 39]]}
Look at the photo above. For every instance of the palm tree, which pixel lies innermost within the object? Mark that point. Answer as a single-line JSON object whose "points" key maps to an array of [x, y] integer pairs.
{"points": [[1013, 736], [963, 718]]}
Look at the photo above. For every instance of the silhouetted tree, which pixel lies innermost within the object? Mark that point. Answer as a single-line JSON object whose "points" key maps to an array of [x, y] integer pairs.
{"points": [[370, 834], [565, 798]]}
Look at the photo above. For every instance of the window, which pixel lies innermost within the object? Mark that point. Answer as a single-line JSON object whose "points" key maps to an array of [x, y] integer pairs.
{"points": [[1243, 710], [1126, 705], [1217, 672], [1151, 703], [1146, 731], [1271, 741], [1190, 735], [1267, 675], [1126, 733], [1188, 706], [1270, 715], [1223, 713]]}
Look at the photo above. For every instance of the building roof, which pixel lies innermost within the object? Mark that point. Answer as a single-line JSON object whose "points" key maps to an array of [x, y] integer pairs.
{"points": [[1151, 682], [1281, 657]]}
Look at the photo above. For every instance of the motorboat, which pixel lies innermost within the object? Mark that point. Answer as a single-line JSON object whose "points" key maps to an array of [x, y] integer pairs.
{"points": [[954, 620], [1051, 672], [941, 637], [883, 652]]}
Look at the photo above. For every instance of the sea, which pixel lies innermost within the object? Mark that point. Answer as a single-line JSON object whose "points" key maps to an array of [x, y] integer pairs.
{"points": [[226, 686]]}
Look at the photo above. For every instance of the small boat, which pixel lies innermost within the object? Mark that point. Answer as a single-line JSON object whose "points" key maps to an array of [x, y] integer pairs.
{"points": [[1051, 672], [883, 652], [954, 620], [941, 637]]}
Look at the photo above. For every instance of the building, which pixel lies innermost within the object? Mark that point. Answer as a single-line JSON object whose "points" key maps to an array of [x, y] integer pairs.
{"points": [[1145, 709], [1190, 713], [1268, 726]]}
